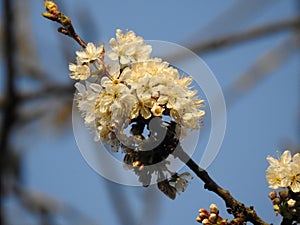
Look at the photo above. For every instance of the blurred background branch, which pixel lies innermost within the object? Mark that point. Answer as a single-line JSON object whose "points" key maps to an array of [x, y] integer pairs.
{"points": [[8, 164]]}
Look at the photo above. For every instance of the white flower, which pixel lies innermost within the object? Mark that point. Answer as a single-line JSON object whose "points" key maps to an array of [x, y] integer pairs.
{"points": [[181, 182], [191, 119], [284, 172], [128, 48], [121, 109], [116, 99], [143, 89], [102, 128], [115, 76], [90, 53], [284, 159], [157, 83], [276, 177], [79, 72], [142, 107], [86, 99], [294, 177]]}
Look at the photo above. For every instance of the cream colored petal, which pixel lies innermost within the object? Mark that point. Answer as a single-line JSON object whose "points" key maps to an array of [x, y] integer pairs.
{"points": [[296, 158], [145, 112], [286, 157], [80, 87], [175, 115], [124, 60], [135, 111], [113, 56], [113, 43], [162, 100], [296, 186]]}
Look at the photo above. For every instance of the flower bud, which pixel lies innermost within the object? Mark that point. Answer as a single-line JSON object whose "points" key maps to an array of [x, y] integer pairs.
{"points": [[276, 208], [202, 210], [136, 163], [199, 219], [283, 194], [272, 195], [204, 215], [213, 209], [50, 6], [276, 201], [291, 203], [206, 222], [213, 217]]}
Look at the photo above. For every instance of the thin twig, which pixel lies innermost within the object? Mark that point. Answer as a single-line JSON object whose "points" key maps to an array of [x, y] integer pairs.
{"points": [[54, 14], [236, 208]]}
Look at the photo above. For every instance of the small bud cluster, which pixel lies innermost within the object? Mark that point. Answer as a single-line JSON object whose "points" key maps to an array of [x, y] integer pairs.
{"points": [[287, 204], [210, 217]]}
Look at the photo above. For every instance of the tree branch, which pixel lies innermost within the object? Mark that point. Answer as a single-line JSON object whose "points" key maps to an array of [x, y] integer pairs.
{"points": [[236, 208]]}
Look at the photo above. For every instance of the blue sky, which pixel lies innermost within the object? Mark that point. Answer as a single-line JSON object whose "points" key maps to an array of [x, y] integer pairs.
{"points": [[257, 124]]}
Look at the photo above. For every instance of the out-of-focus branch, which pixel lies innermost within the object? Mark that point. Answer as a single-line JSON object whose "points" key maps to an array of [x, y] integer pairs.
{"points": [[29, 64], [48, 91], [153, 208], [240, 37], [241, 213], [227, 22], [9, 112], [261, 68], [10, 92], [252, 33], [124, 212], [38, 203]]}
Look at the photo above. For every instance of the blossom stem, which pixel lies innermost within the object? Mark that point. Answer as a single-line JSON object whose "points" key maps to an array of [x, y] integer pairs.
{"points": [[54, 14], [238, 209], [106, 70]]}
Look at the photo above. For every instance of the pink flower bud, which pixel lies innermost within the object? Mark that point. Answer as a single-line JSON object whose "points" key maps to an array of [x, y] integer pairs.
{"points": [[206, 222], [213, 209]]}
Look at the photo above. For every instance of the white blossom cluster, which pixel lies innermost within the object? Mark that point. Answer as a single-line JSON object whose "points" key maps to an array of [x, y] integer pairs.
{"points": [[87, 62], [284, 172], [133, 85]]}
